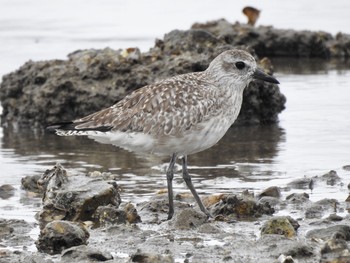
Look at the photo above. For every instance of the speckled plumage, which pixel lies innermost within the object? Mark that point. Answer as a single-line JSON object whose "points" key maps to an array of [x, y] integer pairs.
{"points": [[177, 116]]}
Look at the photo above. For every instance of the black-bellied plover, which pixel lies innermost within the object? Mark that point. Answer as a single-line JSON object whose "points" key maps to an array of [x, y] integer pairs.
{"points": [[177, 116]]}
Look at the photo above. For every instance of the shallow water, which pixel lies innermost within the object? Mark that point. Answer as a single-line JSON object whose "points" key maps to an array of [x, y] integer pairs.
{"points": [[311, 138]]}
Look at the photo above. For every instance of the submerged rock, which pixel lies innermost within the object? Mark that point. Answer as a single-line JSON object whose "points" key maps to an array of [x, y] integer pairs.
{"points": [[59, 235]]}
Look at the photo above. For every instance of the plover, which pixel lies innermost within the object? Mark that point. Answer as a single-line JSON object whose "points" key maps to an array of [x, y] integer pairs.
{"points": [[175, 117]]}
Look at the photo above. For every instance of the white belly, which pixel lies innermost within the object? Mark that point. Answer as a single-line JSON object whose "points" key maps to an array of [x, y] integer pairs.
{"points": [[192, 141]]}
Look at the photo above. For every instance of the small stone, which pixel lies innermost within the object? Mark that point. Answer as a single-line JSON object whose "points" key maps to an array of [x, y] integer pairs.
{"points": [[285, 259], [131, 213], [189, 218], [282, 225], [331, 177], [151, 258], [335, 244], [346, 167], [298, 198], [60, 235], [6, 191], [302, 183], [30, 183], [272, 191], [327, 233], [242, 207], [84, 253]]}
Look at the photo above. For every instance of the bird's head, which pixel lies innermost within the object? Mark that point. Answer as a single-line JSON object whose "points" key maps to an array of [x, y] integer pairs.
{"points": [[237, 67]]}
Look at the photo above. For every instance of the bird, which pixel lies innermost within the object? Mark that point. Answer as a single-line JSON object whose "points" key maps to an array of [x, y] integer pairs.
{"points": [[176, 116]]}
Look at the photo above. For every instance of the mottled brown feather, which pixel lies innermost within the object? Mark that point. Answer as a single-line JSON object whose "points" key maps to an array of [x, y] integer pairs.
{"points": [[167, 107]]}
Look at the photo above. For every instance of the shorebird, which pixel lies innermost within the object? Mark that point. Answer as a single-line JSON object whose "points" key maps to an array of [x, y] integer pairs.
{"points": [[175, 117]]}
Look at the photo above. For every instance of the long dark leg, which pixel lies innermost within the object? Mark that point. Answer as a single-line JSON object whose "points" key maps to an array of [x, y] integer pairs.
{"points": [[169, 178], [186, 176]]}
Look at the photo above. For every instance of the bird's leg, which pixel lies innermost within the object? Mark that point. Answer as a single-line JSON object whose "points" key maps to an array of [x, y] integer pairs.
{"points": [[169, 178], [186, 176]]}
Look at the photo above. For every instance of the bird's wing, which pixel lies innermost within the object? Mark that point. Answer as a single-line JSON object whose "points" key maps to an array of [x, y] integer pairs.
{"points": [[167, 107]]}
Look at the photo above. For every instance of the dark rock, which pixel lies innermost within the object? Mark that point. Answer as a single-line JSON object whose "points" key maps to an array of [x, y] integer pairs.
{"points": [[30, 183], [319, 208], [285, 259], [189, 218], [331, 178], [142, 257], [106, 215], [272, 191], [280, 225], [327, 233], [75, 198], [346, 167], [297, 198], [45, 92], [131, 214], [84, 253], [336, 243], [301, 183], [241, 207], [60, 235], [268, 41], [6, 191]]}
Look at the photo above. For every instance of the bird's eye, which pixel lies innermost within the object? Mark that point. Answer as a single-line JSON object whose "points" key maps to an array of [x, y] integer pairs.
{"points": [[240, 65]]}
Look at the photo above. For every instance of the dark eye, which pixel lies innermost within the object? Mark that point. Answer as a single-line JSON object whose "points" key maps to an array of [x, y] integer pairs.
{"points": [[240, 65]]}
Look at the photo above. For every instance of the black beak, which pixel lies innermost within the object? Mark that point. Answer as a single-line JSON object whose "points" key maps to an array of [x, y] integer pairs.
{"points": [[259, 74]]}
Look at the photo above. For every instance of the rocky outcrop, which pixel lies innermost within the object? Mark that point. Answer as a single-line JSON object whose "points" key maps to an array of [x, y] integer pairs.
{"points": [[44, 92], [272, 42]]}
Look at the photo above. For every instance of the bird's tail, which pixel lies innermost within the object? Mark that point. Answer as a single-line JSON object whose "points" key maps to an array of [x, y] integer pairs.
{"points": [[72, 128]]}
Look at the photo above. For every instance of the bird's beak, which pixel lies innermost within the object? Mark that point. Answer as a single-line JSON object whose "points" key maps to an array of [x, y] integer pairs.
{"points": [[259, 74]]}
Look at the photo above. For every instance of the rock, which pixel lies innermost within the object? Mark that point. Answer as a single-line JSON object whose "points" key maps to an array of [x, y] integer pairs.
{"points": [[30, 183], [6, 191], [45, 92], [75, 198], [335, 250], [346, 167], [335, 244], [285, 259], [331, 178], [301, 183], [240, 207], [59, 235], [282, 225], [84, 253], [189, 218], [131, 213], [327, 233], [109, 214], [142, 257], [297, 198], [319, 208], [272, 191], [272, 42]]}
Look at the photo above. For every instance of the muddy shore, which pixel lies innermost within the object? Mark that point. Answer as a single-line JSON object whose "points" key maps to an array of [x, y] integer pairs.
{"points": [[83, 219]]}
